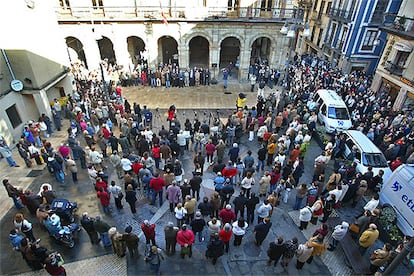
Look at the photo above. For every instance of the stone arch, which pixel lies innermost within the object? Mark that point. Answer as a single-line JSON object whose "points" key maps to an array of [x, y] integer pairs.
{"points": [[230, 48], [136, 46], [106, 50], [189, 37], [75, 50], [199, 52], [168, 49], [261, 50]]}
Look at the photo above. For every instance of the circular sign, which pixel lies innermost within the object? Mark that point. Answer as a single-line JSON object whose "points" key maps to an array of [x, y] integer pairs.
{"points": [[16, 85]]}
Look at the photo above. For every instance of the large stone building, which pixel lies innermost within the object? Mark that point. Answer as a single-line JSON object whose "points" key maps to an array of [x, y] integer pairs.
{"points": [[33, 61], [202, 33], [395, 72]]}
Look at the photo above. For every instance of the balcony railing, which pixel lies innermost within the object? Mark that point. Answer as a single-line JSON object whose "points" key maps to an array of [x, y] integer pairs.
{"points": [[394, 69], [399, 25], [177, 13], [341, 15]]}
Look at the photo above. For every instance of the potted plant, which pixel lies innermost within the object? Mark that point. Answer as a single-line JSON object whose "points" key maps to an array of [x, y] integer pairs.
{"points": [[388, 229]]}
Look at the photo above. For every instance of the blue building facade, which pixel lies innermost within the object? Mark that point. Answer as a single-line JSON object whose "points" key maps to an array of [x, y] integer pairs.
{"points": [[353, 40]]}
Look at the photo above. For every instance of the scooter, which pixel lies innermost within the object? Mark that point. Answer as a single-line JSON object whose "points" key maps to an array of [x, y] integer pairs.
{"points": [[64, 209], [61, 234]]}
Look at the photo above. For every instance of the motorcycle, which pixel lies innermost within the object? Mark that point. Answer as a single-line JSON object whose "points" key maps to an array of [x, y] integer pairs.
{"points": [[64, 209], [61, 234]]}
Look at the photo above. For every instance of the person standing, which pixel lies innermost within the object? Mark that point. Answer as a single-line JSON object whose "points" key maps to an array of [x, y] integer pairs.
{"points": [[173, 195], [24, 226], [261, 230], [303, 253], [170, 233], [239, 204], [215, 249], [380, 257], [264, 211], [275, 251], [149, 232], [105, 199], [70, 165], [116, 191], [131, 198], [239, 230], [157, 184], [247, 183], [118, 243], [6, 153], [338, 234], [185, 238], [87, 224], [225, 235], [301, 192], [368, 238], [12, 192], [102, 228], [132, 241], [289, 251], [197, 225], [115, 160], [319, 247], [305, 215], [154, 259], [195, 184], [251, 203]]}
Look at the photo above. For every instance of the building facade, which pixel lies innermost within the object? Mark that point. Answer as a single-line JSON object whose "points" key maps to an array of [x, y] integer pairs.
{"points": [[203, 33], [352, 29], [395, 72], [33, 64]]}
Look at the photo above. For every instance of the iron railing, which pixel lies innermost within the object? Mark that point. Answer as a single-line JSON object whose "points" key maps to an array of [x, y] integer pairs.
{"points": [[175, 13], [339, 14], [394, 69]]}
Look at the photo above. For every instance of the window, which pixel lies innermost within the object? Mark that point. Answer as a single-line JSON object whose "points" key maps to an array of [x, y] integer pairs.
{"points": [[312, 33], [338, 113], [343, 37], [323, 109], [315, 5], [377, 16], [14, 116], [266, 5], [370, 37], [328, 7], [332, 34], [64, 4], [401, 58], [97, 4], [319, 37]]}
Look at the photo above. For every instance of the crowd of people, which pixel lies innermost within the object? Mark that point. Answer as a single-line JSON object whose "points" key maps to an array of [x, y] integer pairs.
{"points": [[279, 129]]}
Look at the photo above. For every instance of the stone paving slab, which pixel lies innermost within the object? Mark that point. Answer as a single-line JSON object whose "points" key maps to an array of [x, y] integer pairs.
{"points": [[103, 265]]}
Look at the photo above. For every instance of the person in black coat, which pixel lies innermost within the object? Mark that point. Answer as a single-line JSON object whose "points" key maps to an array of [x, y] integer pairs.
{"points": [[239, 204], [215, 249], [205, 207], [275, 251], [87, 224], [195, 184], [131, 198], [251, 203], [225, 193], [197, 225], [261, 230]]}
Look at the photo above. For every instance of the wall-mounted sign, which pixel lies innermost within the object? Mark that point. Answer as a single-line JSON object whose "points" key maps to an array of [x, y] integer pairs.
{"points": [[16, 85]]}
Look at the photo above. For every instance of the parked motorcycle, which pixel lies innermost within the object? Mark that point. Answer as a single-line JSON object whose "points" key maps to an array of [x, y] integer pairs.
{"points": [[64, 209], [61, 234]]}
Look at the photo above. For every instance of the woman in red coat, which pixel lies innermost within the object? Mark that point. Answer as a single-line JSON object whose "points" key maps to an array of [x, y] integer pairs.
{"points": [[185, 238], [225, 235]]}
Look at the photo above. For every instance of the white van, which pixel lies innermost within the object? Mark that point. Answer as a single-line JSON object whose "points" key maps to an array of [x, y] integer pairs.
{"points": [[398, 192], [332, 111], [367, 153]]}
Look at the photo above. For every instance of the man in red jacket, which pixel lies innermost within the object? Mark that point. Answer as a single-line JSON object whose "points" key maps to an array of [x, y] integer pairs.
{"points": [[149, 231], [185, 238], [229, 171], [157, 184], [105, 199], [227, 215]]}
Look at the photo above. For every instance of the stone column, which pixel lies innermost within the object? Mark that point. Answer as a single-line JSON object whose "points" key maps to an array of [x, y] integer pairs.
{"points": [[214, 58], [183, 56], [244, 64], [121, 51], [42, 103], [401, 97], [92, 54], [376, 82]]}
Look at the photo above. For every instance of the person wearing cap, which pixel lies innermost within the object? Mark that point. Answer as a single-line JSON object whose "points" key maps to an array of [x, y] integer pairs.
{"points": [[118, 243], [338, 234], [87, 224], [185, 238], [368, 238], [227, 215], [197, 225], [225, 235], [102, 228], [132, 241], [170, 233], [149, 232]]}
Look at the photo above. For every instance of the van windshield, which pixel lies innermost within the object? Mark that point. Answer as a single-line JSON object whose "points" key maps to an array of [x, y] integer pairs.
{"points": [[374, 160], [338, 113]]}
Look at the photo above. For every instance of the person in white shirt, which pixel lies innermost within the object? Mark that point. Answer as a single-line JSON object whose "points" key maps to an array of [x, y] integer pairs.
{"points": [[305, 215], [338, 234], [372, 204], [126, 164]]}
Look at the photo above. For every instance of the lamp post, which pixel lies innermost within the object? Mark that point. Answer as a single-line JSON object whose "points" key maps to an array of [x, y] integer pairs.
{"points": [[292, 32]]}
